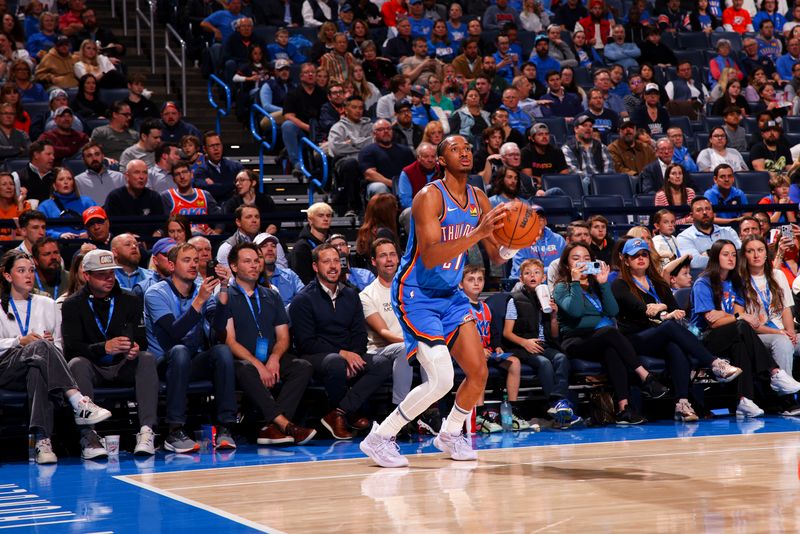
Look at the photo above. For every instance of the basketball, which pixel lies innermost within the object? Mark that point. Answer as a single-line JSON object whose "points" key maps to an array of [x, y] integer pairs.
{"points": [[521, 228]]}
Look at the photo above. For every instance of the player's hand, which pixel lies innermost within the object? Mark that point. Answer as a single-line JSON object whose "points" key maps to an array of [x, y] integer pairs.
{"points": [[491, 221]]}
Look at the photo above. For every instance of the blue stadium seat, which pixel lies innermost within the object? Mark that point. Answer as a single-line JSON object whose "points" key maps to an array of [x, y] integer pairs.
{"points": [[753, 182], [669, 39], [558, 128], [13, 165], [526, 41], [733, 37], [693, 40], [793, 138], [497, 305], [91, 124], [109, 96], [695, 57], [791, 125], [571, 184], [702, 181], [644, 200], [557, 202], [594, 204], [701, 140], [35, 109], [582, 76], [613, 184], [76, 166], [685, 124], [713, 122], [754, 198]]}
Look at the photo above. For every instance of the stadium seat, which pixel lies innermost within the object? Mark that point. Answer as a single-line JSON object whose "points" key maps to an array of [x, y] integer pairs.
{"points": [[475, 180], [713, 122], [753, 198], [14, 165], [526, 41], [701, 140], [563, 207], [582, 76], [753, 182], [695, 57], [791, 125], [693, 40], [76, 166], [571, 184], [613, 184], [497, 305], [702, 181], [596, 204], [668, 39], [644, 200], [685, 124], [793, 138], [558, 128], [733, 37], [91, 124], [109, 96]]}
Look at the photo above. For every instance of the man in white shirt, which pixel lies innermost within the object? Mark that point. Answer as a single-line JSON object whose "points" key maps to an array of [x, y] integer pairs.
{"points": [[684, 88], [698, 238]]}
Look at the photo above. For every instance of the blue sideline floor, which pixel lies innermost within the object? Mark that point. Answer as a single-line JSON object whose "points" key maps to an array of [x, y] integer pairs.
{"points": [[84, 496]]}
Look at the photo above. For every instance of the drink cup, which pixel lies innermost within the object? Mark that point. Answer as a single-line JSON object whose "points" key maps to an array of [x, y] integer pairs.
{"points": [[112, 445], [543, 293]]}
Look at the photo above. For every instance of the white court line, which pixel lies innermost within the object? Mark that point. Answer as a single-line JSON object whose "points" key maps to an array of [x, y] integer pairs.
{"points": [[210, 509], [551, 525], [42, 523]]}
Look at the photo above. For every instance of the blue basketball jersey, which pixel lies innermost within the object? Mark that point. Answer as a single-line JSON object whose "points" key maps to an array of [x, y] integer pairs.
{"points": [[456, 221]]}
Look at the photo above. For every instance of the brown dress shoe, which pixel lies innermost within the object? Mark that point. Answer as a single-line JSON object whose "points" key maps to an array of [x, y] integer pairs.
{"points": [[337, 425], [300, 434], [272, 435], [358, 422]]}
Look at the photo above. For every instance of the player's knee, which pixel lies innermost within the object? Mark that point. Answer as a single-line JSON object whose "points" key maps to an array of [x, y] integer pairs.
{"points": [[439, 368]]}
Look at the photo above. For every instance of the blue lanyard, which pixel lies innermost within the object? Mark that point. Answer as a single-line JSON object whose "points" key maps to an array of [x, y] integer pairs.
{"points": [[250, 305], [598, 305], [669, 245], [650, 290], [103, 330], [766, 300], [22, 330], [41, 287]]}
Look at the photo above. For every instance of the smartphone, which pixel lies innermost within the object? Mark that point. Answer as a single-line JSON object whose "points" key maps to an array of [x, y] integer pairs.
{"points": [[786, 231], [343, 263], [127, 331], [211, 266], [592, 267]]}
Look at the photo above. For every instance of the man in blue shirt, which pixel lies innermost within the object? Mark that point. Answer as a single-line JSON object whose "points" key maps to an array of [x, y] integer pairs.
{"points": [[517, 118], [698, 238], [507, 62], [128, 256], [175, 316], [220, 23], [411, 179], [723, 193], [547, 249], [785, 62], [420, 26], [681, 154], [284, 281], [562, 103], [541, 58], [161, 263], [355, 276]]}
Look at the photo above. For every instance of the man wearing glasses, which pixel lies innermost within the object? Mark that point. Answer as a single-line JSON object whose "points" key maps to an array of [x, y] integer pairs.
{"points": [[117, 135]]}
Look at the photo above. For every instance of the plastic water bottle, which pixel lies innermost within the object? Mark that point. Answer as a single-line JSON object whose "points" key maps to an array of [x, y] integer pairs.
{"points": [[505, 414]]}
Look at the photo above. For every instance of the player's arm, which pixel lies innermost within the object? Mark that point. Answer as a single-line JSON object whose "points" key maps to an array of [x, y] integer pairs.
{"points": [[426, 209], [489, 243]]}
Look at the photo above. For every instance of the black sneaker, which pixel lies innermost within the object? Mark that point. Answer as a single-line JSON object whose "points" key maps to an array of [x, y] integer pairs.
{"points": [[429, 422], [177, 441], [629, 417], [224, 439], [653, 389]]}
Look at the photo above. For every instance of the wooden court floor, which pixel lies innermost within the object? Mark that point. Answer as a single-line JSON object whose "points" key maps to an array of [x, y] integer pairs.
{"points": [[720, 484]]}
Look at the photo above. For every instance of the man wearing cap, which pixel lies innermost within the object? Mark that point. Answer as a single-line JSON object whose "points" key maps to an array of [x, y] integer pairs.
{"points": [[338, 63], [285, 281], [584, 154], [117, 135], [163, 268], [618, 52], [562, 103], [13, 143], [57, 67], [354, 276], [653, 117], [97, 181], [541, 58], [50, 277], [97, 227], [37, 176], [420, 26], [345, 140], [769, 154], [66, 141], [174, 127], [248, 225], [136, 199], [420, 66], [399, 90], [404, 131], [540, 157], [145, 148], [698, 238], [274, 91], [630, 155], [128, 255], [105, 342]]}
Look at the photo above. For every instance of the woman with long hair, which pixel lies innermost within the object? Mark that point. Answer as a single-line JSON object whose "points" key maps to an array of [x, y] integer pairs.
{"points": [[729, 331], [533, 16], [359, 34], [22, 77], [505, 185], [363, 87], [433, 133], [380, 220], [675, 192], [65, 201], [756, 80], [769, 100], [11, 204], [178, 228], [11, 95], [585, 55], [324, 42], [31, 358], [650, 318], [718, 153], [470, 120], [701, 19], [87, 104], [91, 61], [586, 311], [439, 44], [570, 85], [13, 29], [731, 96]]}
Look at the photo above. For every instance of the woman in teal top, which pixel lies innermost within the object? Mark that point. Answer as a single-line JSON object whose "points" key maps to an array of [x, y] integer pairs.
{"points": [[586, 311]]}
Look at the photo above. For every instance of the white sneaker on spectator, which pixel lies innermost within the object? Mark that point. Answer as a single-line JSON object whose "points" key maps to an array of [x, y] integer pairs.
{"points": [[44, 452], [783, 384], [748, 408], [145, 442], [91, 446], [456, 445], [724, 371], [383, 451], [88, 413]]}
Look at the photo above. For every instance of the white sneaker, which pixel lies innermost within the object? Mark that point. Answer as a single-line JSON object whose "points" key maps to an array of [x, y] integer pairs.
{"points": [[783, 384], [724, 371], [88, 413], [44, 452], [748, 408], [91, 446], [145, 442], [684, 412], [457, 446], [383, 451]]}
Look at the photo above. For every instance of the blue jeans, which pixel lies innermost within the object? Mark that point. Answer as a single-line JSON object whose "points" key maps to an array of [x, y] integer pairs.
{"points": [[376, 188], [552, 368], [180, 366], [291, 139]]}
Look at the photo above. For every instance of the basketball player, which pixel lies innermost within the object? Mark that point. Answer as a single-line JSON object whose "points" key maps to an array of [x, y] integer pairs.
{"points": [[448, 217]]}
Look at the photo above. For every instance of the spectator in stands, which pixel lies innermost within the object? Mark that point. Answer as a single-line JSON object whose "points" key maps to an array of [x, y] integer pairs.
{"points": [[684, 88], [117, 135], [138, 97], [183, 199], [540, 157], [675, 191], [89, 61], [108, 42], [70, 23], [769, 154], [127, 256], [779, 194], [561, 103], [95, 220], [21, 76], [161, 264], [177, 227], [546, 249], [736, 19], [602, 244], [317, 12], [723, 60], [768, 45], [144, 149], [404, 132], [619, 52], [56, 69], [248, 225], [311, 236], [39, 43], [731, 97], [586, 304], [630, 155], [419, 66], [174, 127], [273, 93], [86, 104], [51, 278], [329, 331], [367, 90], [338, 62], [606, 120], [283, 49], [192, 152], [577, 232], [469, 63], [67, 202], [504, 186], [97, 181], [13, 142], [518, 119], [421, 26], [136, 199], [11, 204], [34, 346], [380, 221], [9, 94], [569, 13], [377, 70], [204, 254], [32, 229], [220, 23], [116, 354], [353, 276], [737, 139], [159, 177], [702, 18], [414, 177], [785, 63], [10, 54], [218, 173], [399, 91], [540, 57], [331, 112], [382, 161], [276, 276], [584, 154], [250, 75], [653, 117], [717, 153], [654, 51], [651, 179], [235, 48], [37, 176], [66, 141], [696, 240], [176, 311], [680, 153], [507, 62], [301, 106], [246, 193]]}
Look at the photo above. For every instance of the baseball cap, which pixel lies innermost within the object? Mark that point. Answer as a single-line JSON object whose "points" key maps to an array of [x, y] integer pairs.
{"points": [[633, 246], [55, 93], [417, 90], [170, 104], [582, 119], [771, 125], [62, 39], [412, 2], [651, 87], [282, 64], [346, 8], [626, 122], [99, 260], [541, 37], [95, 212], [63, 109], [539, 127], [263, 237], [403, 104], [163, 246]]}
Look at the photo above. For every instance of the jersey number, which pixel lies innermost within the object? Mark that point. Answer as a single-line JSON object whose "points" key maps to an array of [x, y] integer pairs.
{"points": [[450, 265]]}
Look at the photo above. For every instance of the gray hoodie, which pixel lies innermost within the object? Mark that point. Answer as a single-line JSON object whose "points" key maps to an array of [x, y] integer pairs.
{"points": [[346, 138]]}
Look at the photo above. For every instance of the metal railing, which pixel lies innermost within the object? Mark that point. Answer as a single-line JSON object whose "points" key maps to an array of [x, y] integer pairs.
{"points": [[124, 15], [148, 20], [257, 112], [180, 61], [221, 112], [313, 182]]}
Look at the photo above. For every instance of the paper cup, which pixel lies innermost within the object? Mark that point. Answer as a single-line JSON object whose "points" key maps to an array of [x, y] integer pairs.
{"points": [[543, 293], [112, 445]]}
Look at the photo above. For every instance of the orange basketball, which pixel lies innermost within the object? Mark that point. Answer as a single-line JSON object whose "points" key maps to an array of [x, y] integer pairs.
{"points": [[521, 228]]}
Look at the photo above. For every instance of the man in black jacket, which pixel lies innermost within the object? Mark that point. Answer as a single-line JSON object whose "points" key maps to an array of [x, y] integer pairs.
{"points": [[136, 199], [313, 234], [37, 176], [104, 341], [329, 331]]}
